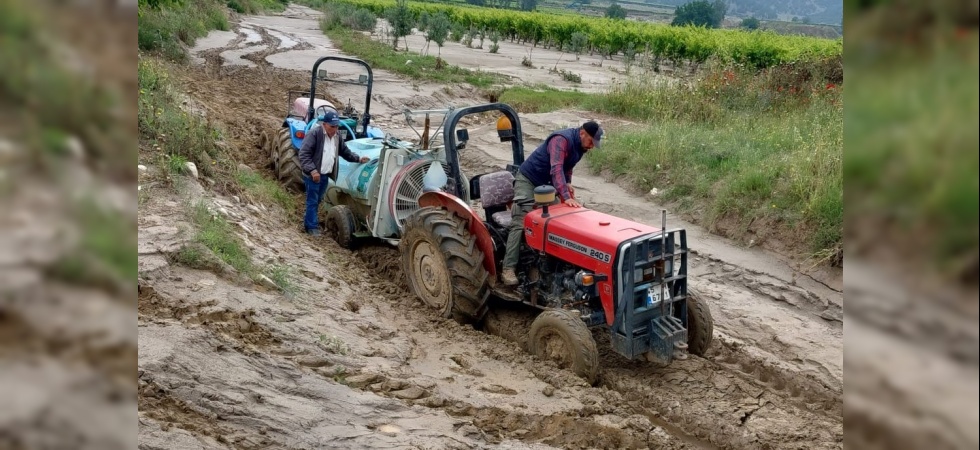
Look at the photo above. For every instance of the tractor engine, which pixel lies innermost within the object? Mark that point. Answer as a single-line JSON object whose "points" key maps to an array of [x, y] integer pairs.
{"points": [[554, 283], [615, 272]]}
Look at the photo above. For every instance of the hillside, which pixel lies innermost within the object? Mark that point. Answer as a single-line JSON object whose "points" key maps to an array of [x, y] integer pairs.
{"points": [[815, 11]]}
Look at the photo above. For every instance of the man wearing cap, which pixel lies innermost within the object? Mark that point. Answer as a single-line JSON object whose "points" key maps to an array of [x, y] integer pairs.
{"points": [[551, 163], [318, 159]]}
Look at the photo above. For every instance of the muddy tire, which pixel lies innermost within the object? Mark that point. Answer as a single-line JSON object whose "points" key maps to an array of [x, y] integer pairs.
{"points": [[267, 150], [700, 325], [443, 265], [341, 226], [286, 164], [561, 336]]}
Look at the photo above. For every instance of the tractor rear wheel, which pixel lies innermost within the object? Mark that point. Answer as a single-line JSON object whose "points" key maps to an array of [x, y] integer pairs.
{"points": [[286, 161], [700, 324], [341, 226], [444, 266], [561, 336]]}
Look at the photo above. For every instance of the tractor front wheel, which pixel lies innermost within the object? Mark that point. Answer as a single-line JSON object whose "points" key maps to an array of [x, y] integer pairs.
{"points": [[700, 324], [285, 160], [443, 265], [341, 226], [561, 336]]}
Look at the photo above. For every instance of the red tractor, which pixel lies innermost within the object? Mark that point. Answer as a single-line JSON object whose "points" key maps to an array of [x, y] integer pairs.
{"points": [[581, 268]]}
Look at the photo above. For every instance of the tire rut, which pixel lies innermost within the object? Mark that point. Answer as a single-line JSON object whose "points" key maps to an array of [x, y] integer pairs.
{"points": [[726, 400]]}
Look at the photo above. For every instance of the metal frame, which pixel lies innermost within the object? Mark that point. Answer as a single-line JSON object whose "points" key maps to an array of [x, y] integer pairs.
{"points": [[661, 330], [452, 151], [369, 83]]}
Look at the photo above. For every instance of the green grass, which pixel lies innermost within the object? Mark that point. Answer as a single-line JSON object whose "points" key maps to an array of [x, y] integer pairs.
{"points": [[912, 138], [735, 147], [106, 253], [166, 127], [167, 30], [256, 6], [215, 233], [50, 101], [264, 190]]}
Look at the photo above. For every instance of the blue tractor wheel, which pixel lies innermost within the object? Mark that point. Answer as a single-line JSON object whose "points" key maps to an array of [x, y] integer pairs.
{"points": [[286, 161]]}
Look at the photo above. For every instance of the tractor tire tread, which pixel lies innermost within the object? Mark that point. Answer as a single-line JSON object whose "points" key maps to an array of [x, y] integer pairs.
{"points": [[341, 226], [700, 324], [464, 261], [287, 166], [585, 361]]}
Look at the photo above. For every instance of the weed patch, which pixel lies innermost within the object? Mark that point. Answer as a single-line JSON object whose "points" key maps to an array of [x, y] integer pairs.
{"points": [[215, 233], [736, 147], [166, 127], [264, 190], [911, 165], [105, 255]]}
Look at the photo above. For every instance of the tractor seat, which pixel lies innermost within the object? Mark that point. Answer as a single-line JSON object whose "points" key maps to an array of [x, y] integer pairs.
{"points": [[496, 191], [302, 104], [502, 218]]}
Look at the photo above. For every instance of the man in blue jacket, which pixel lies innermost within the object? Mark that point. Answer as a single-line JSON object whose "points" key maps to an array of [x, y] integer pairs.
{"points": [[318, 158], [551, 163]]}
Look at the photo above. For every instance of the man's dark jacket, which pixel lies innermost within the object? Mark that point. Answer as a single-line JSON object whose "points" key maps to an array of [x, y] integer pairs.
{"points": [[311, 153], [537, 167]]}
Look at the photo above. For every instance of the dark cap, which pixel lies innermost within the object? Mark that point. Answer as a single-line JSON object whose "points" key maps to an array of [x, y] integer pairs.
{"points": [[594, 130], [330, 118]]}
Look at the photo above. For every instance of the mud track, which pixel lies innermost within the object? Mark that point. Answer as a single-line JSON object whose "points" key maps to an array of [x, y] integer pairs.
{"points": [[726, 400], [354, 359]]}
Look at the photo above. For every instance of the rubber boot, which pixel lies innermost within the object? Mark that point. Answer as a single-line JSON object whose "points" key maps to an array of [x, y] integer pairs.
{"points": [[508, 277]]}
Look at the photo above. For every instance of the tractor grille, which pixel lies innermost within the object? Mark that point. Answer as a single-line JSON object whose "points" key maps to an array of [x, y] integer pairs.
{"points": [[652, 289]]}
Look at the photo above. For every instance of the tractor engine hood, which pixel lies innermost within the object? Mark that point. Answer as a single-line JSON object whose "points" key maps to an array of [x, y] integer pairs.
{"points": [[581, 236]]}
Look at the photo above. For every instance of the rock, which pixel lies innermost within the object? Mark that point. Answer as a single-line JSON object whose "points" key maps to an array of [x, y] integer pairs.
{"points": [[191, 169], [639, 423], [141, 168], [389, 430], [244, 167], [548, 391], [411, 393], [395, 385], [267, 282], [435, 402], [654, 192], [75, 147], [728, 268], [313, 361], [361, 380], [254, 209]]}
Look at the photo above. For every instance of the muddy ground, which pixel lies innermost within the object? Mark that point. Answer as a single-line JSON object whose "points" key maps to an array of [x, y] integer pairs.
{"points": [[350, 359]]}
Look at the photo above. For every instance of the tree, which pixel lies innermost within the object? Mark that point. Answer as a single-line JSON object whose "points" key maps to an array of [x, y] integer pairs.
{"points": [[614, 11], [438, 30], [750, 23], [529, 5], [400, 18], [701, 13]]}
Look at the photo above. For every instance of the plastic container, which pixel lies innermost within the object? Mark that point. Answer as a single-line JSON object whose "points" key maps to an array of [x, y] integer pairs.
{"points": [[354, 178]]}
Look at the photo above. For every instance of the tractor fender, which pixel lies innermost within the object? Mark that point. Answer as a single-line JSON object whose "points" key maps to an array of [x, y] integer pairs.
{"points": [[296, 126], [476, 226]]}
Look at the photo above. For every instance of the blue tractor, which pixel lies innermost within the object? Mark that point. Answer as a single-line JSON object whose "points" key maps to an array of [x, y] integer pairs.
{"points": [[303, 108]]}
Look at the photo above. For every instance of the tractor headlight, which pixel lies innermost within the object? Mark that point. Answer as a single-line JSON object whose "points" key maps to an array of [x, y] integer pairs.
{"points": [[584, 279]]}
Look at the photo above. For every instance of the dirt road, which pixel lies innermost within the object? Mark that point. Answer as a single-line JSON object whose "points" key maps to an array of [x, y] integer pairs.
{"points": [[353, 360]]}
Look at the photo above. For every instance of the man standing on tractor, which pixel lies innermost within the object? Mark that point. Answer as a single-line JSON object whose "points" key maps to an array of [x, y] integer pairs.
{"points": [[551, 163], [318, 158]]}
